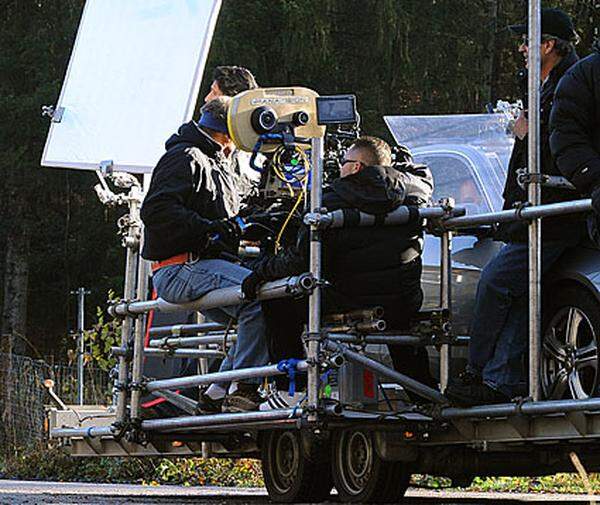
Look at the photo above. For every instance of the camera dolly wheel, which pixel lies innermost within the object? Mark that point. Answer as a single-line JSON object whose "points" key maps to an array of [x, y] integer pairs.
{"points": [[296, 466], [359, 473]]}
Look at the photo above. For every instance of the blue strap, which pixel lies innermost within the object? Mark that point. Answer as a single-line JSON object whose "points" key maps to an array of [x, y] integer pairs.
{"points": [[289, 366]]}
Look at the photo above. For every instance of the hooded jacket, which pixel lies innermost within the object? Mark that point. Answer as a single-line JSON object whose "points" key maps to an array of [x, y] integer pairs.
{"points": [[191, 185], [575, 123], [569, 227], [367, 266]]}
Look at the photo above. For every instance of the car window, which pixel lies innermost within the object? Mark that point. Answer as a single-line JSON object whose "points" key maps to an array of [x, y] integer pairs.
{"points": [[453, 177]]}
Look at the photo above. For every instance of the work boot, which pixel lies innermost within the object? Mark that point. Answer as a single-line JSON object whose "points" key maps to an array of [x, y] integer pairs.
{"points": [[475, 393], [207, 405], [245, 398], [465, 378]]}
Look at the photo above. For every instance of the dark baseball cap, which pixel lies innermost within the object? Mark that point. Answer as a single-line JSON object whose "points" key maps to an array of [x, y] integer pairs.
{"points": [[555, 22]]}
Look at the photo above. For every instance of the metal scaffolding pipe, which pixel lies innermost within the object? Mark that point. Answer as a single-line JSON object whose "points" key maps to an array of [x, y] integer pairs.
{"points": [[405, 381], [231, 375], [401, 215], [371, 314], [177, 330], [192, 341], [375, 339], [313, 335], [174, 353], [391, 339], [534, 195], [527, 408], [445, 301], [91, 432], [290, 286], [219, 419], [523, 214], [131, 242], [137, 366], [359, 326]]}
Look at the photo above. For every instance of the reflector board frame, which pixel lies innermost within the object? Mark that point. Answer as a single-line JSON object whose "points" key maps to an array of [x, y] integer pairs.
{"points": [[133, 78]]}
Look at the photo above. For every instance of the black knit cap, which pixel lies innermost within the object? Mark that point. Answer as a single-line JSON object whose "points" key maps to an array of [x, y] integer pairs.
{"points": [[555, 22]]}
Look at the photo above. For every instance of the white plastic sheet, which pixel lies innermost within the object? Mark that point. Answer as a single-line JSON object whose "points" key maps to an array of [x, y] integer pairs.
{"points": [[133, 78]]}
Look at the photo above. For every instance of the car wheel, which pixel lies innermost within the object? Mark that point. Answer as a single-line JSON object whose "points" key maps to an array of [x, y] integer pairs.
{"points": [[360, 475], [570, 354], [296, 467]]}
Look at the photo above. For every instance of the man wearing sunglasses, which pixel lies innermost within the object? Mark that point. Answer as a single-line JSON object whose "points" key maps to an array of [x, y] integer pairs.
{"points": [[499, 327], [365, 267]]}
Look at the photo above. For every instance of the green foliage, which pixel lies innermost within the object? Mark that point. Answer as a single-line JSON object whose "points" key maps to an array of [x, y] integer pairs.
{"points": [[104, 334], [559, 483], [56, 464]]}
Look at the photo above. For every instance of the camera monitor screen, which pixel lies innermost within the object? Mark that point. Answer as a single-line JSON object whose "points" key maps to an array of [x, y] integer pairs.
{"points": [[133, 78], [336, 109]]}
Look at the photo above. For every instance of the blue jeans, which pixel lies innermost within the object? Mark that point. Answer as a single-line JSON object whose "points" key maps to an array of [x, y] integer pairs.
{"points": [[190, 281], [499, 328]]}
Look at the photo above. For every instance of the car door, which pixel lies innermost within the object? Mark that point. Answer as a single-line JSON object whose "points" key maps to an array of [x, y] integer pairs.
{"points": [[468, 177]]}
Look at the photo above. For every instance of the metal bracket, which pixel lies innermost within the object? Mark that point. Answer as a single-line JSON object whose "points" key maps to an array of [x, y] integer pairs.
{"points": [[106, 168], [55, 114], [524, 178], [448, 205]]}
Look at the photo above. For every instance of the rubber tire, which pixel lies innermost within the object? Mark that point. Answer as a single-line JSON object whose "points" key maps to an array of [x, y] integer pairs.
{"points": [[573, 296], [313, 481], [387, 482]]}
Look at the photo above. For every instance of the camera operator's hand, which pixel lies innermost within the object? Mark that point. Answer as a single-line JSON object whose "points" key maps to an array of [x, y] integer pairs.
{"points": [[225, 230], [250, 285], [596, 200]]}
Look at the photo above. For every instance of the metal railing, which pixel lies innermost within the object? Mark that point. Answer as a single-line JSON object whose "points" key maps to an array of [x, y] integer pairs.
{"points": [[319, 344]]}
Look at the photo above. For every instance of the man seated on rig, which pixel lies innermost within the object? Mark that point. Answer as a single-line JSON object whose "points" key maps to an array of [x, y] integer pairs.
{"points": [[189, 236], [500, 318], [229, 80], [367, 266]]}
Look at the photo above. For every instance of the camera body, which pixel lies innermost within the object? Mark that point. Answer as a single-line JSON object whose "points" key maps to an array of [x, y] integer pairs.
{"points": [[280, 124]]}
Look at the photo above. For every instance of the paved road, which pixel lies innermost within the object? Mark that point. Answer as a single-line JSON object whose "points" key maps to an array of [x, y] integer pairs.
{"points": [[58, 493]]}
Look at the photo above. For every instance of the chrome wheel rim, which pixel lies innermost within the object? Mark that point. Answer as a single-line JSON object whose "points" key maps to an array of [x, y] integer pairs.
{"points": [[569, 356]]}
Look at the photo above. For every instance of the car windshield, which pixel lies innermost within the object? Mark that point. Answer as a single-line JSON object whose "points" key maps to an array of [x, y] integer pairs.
{"points": [[468, 154]]}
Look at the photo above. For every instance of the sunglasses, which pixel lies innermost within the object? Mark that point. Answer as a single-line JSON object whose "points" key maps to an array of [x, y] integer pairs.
{"points": [[345, 160]]}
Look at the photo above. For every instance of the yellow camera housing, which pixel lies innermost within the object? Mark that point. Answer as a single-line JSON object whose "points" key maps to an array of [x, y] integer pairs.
{"points": [[287, 104]]}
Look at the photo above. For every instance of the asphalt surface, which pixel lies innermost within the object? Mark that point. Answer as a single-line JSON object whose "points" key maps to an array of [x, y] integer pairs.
{"points": [[59, 493]]}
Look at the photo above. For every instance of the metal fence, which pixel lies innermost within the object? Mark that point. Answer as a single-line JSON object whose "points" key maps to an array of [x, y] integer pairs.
{"points": [[23, 396]]}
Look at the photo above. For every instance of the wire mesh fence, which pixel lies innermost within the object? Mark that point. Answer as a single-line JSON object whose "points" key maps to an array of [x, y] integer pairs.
{"points": [[23, 396]]}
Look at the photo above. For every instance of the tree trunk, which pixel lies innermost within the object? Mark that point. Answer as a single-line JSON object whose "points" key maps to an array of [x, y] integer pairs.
{"points": [[16, 278]]}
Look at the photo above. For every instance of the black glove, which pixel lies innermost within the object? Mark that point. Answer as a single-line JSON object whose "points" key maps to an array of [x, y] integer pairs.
{"points": [[250, 285], [225, 230], [596, 200]]}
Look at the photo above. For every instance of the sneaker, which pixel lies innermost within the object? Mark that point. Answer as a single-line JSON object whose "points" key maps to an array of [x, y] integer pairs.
{"points": [[207, 405], [475, 393], [281, 400], [245, 398]]}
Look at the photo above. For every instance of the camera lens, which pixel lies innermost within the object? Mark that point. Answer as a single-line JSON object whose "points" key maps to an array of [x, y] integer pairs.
{"points": [[300, 118], [263, 119]]}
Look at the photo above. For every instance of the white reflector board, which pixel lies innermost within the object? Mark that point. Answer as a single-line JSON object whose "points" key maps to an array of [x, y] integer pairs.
{"points": [[132, 80]]}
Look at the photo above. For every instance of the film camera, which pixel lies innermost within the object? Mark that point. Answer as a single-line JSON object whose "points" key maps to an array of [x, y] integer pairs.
{"points": [[277, 125]]}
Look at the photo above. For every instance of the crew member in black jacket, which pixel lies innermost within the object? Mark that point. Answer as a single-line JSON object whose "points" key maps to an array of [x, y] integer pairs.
{"points": [[367, 266], [500, 317], [575, 127], [189, 235]]}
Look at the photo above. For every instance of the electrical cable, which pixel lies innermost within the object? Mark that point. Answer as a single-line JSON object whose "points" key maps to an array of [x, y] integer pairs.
{"points": [[280, 172]]}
